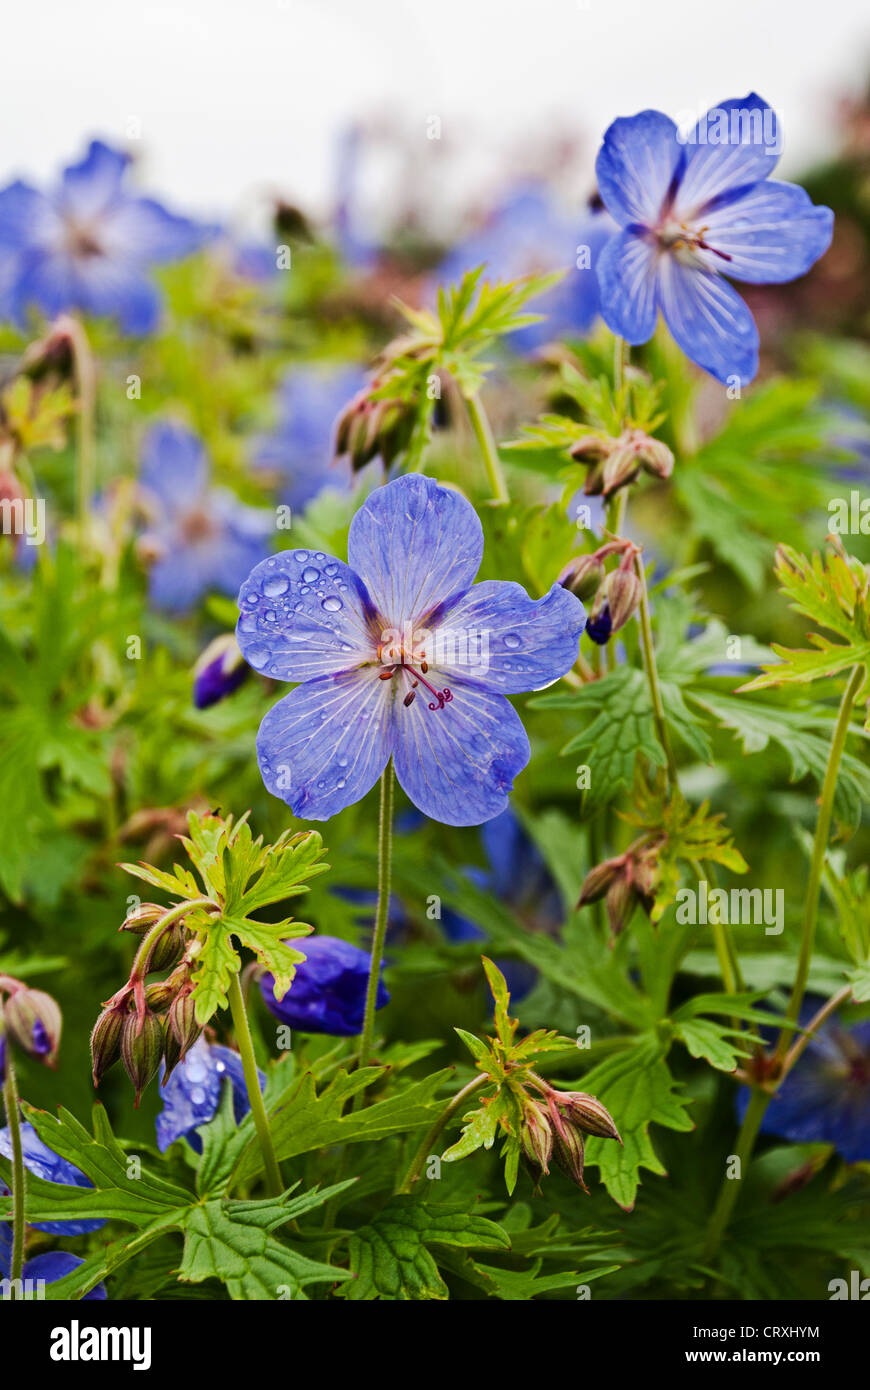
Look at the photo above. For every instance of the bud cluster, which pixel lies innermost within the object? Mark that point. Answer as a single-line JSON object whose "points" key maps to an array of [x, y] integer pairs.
{"points": [[146, 1023], [30, 1019], [615, 596], [371, 426], [623, 882], [555, 1125], [614, 462]]}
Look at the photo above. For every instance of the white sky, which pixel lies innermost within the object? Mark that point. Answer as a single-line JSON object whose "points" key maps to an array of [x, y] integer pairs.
{"points": [[237, 96]]}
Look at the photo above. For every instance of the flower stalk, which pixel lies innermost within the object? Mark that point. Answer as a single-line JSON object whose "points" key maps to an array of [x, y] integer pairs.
{"points": [[19, 1177], [252, 1086], [488, 448], [385, 864]]}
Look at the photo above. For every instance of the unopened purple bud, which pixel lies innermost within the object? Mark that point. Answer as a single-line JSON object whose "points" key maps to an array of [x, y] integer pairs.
{"points": [[600, 625], [220, 670], [33, 1022]]}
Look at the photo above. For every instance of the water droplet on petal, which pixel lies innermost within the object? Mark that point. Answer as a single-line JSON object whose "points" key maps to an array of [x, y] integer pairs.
{"points": [[332, 604], [301, 556], [511, 640], [257, 655], [278, 585], [310, 575]]}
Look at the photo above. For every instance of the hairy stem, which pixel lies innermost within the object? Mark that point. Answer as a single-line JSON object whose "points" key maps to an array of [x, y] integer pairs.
{"points": [[19, 1175], [820, 848], [758, 1103], [252, 1086], [385, 862], [652, 674], [431, 1135], [829, 1007], [488, 448], [86, 387]]}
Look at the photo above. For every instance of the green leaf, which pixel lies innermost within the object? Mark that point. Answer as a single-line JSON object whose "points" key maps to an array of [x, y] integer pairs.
{"points": [[390, 1256], [713, 1042], [637, 1088]]}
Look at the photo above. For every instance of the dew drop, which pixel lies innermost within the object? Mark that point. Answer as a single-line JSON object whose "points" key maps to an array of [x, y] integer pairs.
{"points": [[257, 655], [275, 586], [511, 640], [331, 570], [310, 575], [301, 556], [331, 604]]}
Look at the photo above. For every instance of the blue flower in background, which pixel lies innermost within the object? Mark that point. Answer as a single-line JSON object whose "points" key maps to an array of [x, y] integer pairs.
{"points": [[518, 876], [328, 992], [694, 209], [200, 538], [375, 643], [528, 235], [42, 1162], [192, 1094], [826, 1096], [88, 244], [301, 451]]}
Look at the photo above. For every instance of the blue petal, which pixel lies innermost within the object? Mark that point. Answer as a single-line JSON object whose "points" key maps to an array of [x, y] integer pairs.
{"points": [[732, 147], [142, 231], [44, 1163], [709, 320], [415, 546], [174, 466], [457, 764], [26, 217], [45, 281], [112, 287], [178, 580], [90, 186], [497, 634], [325, 744], [304, 615], [328, 991], [53, 1265], [771, 234], [627, 276], [190, 1097], [302, 449], [637, 165]]}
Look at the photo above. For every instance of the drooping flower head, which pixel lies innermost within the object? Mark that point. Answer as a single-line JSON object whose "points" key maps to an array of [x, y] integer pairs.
{"points": [[192, 1094], [826, 1096], [693, 210], [529, 235], [200, 538], [328, 993], [400, 655], [301, 450], [88, 244]]}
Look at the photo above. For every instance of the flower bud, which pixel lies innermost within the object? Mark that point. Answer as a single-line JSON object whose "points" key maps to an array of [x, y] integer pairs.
{"points": [[586, 1113], [620, 901], [33, 1021], [599, 624], [182, 1021], [583, 576], [536, 1135], [220, 670], [159, 996], [145, 916], [621, 468], [141, 1049], [106, 1041], [598, 880], [164, 952], [656, 458], [592, 448], [569, 1151], [623, 592]]}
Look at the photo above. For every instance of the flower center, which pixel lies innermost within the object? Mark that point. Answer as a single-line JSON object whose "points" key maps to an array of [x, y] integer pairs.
{"points": [[685, 242], [197, 525], [413, 673], [81, 239]]}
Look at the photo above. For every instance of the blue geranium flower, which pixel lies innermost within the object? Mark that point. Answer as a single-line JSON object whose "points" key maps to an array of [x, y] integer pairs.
{"points": [[301, 451], [826, 1096], [375, 643], [44, 1163], [328, 993], [88, 244], [529, 235], [199, 537], [694, 209], [53, 1265], [192, 1094], [518, 876]]}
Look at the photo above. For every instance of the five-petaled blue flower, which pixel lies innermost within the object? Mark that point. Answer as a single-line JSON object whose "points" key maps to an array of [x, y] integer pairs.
{"points": [[44, 1163], [528, 235], [399, 656], [692, 210], [88, 244], [826, 1096], [302, 448], [199, 538], [192, 1094], [328, 993]]}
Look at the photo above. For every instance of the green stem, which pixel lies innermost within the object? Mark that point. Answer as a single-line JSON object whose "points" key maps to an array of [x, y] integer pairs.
{"points": [[170, 916], [758, 1103], [86, 385], [252, 1085], [488, 448], [620, 362], [19, 1178], [652, 675], [385, 860], [820, 848], [760, 1099], [431, 1135]]}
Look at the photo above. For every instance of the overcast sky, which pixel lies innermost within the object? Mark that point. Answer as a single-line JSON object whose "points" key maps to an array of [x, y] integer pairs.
{"points": [[231, 97]]}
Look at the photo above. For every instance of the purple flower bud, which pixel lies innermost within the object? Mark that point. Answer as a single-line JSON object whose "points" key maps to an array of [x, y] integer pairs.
{"points": [[328, 991], [33, 1022], [220, 670], [600, 625]]}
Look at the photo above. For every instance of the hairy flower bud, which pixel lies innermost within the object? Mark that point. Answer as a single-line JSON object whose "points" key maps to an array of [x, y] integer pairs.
{"points": [[599, 624], [182, 1021], [620, 901], [656, 458], [106, 1041], [598, 880], [621, 468], [141, 1049], [587, 1113], [623, 592], [220, 670], [165, 951], [569, 1151], [372, 427], [583, 576], [33, 1021], [159, 996], [536, 1135], [144, 917]]}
